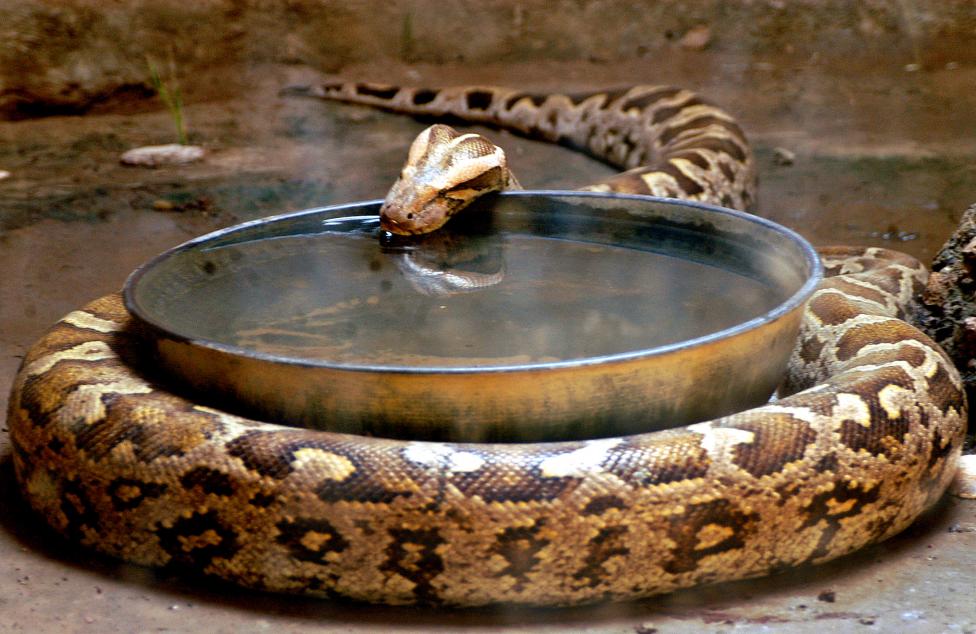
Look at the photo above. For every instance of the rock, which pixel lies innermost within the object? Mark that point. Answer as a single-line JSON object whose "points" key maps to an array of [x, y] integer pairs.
{"points": [[157, 155], [936, 289], [697, 38], [4, 174], [827, 596], [946, 309], [782, 156], [964, 484]]}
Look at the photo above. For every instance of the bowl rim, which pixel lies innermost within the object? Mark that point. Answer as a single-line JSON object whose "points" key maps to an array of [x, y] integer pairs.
{"points": [[799, 297]]}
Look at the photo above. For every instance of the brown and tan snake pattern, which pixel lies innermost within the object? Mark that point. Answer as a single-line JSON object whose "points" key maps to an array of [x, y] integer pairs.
{"points": [[868, 439]]}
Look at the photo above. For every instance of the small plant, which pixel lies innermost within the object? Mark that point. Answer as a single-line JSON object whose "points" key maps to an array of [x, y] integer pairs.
{"points": [[170, 94]]}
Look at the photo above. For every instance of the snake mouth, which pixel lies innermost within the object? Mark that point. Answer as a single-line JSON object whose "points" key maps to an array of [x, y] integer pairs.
{"points": [[391, 225], [395, 220], [406, 228]]}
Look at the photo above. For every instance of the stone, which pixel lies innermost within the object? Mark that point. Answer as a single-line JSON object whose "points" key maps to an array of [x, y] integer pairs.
{"points": [[946, 310], [964, 484], [782, 156], [697, 38], [159, 155]]}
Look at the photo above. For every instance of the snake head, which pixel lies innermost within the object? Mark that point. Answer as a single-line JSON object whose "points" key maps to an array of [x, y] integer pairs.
{"points": [[444, 173]]}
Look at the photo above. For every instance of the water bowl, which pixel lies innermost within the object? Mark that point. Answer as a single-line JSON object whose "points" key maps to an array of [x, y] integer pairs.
{"points": [[533, 316]]}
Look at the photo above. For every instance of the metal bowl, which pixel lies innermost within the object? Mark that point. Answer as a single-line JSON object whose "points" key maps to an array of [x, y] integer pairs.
{"points": [[536, 316]]}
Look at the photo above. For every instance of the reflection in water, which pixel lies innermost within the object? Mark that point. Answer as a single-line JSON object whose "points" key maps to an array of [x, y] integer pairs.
{"points": [[485, 298], [447, 263]]}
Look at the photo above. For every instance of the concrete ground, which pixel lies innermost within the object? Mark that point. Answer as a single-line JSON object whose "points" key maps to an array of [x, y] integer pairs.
{"points": [[883, 156]]}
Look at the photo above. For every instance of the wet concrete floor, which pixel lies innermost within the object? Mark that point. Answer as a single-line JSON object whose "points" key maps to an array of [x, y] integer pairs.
{"points": [[883, 156]]}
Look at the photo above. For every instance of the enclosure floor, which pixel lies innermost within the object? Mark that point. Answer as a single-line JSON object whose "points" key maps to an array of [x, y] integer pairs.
{"points": [[882, 156]]}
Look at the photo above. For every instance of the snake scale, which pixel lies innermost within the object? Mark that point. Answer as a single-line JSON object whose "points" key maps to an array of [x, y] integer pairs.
{"points": [[865, 436]]}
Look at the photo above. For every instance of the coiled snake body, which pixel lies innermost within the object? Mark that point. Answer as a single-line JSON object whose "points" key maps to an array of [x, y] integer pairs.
{"points": [[868, 439]]}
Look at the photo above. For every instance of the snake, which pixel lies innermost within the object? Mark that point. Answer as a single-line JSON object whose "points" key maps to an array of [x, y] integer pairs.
{"points": [[863, 437]]}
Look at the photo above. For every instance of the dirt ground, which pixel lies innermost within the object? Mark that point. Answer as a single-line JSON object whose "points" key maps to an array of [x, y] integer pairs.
{"points": [[883, 156]]}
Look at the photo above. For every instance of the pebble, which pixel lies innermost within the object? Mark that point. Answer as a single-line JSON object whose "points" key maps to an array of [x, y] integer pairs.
{"points": [[782, 156], [964, 484], [156, 155], [4, 174], [697, 38], [912, 615]]}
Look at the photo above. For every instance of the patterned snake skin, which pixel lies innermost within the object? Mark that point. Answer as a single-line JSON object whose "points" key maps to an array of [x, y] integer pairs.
{"points": [[868, 439]]}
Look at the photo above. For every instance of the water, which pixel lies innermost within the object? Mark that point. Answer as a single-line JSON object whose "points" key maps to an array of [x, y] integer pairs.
{"points": [[490, 300]]}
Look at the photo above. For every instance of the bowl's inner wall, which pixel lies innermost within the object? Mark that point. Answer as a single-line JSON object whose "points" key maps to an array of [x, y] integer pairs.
{"points": [[616, 390], [526, 281]]}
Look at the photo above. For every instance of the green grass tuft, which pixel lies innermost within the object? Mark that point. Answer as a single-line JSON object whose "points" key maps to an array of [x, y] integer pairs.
{"points": [[170, 94]]}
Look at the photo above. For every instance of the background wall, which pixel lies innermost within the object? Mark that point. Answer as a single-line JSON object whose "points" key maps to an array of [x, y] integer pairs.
{"points": [[62, 56]]}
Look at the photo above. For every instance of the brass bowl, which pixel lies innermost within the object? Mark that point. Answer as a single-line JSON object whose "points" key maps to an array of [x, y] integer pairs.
{"points": [[545, 315]]}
